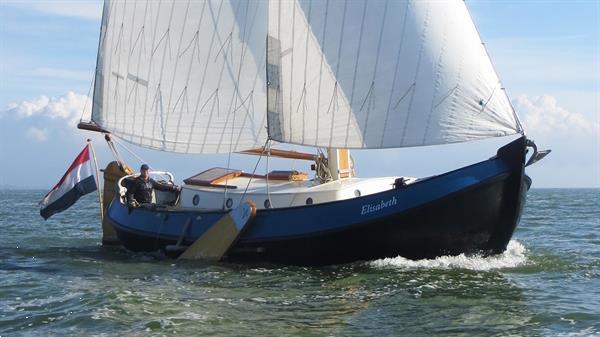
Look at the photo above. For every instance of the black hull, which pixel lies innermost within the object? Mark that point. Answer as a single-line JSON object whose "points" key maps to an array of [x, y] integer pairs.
{"points": [[479, 218], [474, 221]]}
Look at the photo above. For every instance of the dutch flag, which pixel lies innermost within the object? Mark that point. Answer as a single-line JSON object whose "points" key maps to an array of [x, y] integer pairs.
{"points": [[78, 181]]}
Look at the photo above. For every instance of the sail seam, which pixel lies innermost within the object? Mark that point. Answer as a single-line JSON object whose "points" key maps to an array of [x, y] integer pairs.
{"points": [[174, 74], [317, 129], [396, 67], [368, 112], [337, 69], [362, 24], [417, 69], [189, 72], [203, 81]]}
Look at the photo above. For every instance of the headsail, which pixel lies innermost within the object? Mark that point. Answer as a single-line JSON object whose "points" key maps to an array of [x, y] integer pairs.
{"points": [[183, 76], [378, 74], [214, 76]]}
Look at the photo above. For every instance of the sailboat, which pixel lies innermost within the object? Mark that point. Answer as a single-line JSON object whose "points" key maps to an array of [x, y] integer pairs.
{"points": [[232, 76]]}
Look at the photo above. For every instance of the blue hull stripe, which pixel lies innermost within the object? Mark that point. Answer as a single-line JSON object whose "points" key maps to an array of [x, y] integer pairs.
{"points": [[310, 220]]}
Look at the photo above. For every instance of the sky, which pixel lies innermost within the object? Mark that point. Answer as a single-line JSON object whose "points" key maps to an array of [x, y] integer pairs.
{"points": [[547, 54]]}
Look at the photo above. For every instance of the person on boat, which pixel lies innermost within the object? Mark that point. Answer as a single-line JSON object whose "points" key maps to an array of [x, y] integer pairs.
{"points": [[141, 188]]}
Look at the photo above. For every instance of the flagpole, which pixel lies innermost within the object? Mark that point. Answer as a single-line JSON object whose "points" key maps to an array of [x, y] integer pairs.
{"points": [[89, 141]]}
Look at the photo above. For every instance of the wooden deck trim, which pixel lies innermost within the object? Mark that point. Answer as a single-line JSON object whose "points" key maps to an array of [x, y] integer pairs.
{"points": [[282, 154]]}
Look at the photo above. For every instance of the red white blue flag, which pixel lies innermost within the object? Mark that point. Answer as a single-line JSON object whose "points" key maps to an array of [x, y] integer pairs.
{"points": [[79, 180]]}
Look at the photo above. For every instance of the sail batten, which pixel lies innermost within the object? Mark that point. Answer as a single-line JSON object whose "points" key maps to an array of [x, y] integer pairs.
{"points": [[223, 76]]}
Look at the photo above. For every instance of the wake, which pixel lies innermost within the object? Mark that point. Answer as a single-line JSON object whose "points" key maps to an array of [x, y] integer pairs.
{"points": [[514, 256]]}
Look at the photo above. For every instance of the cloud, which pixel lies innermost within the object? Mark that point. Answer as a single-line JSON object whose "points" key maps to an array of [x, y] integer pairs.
{"points": [[36, 134], [68, 106], [542, 115], [70, 8]]}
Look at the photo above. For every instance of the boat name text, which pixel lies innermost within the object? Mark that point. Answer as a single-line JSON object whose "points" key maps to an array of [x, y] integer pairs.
{"points": [[370, 208]]}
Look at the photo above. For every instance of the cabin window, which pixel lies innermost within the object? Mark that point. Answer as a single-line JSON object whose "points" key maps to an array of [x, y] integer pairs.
{"points": [[309, 201], [196, 199], [228, 203], [357, 193], [267, 203]]}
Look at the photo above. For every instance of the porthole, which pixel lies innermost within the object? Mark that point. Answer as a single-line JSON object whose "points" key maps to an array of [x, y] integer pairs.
{"points": [[196, 199], [228, 203], [357, 193], [267, 203], [309, 201]]}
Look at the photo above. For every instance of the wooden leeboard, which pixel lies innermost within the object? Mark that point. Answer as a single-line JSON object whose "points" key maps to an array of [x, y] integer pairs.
{"points": [[222, 235]]}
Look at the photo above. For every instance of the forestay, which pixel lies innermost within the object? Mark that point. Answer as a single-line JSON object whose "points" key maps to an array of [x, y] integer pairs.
{"points": [[183, 76], [378, 74], [214, 76]]}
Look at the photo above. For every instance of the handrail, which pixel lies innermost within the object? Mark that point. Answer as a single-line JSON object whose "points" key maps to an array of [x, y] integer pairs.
{"points": [[123, 190]]}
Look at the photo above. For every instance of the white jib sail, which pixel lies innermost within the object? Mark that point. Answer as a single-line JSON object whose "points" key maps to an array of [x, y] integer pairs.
{"points": [[378, 74], [183, 76]]}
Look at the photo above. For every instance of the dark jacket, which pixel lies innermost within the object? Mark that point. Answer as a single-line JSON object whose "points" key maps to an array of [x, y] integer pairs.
{"points": [[140, 190]]}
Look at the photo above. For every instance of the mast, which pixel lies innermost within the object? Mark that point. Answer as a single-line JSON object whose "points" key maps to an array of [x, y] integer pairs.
{"points": [[340, 163]]}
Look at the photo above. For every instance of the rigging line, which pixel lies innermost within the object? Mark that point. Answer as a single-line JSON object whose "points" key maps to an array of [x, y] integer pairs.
{"points": [[109, 56], [129, 150], [362, 25], [125, 98], [234, 98], [337, 68], [396, 68], [223, 66], [267, 175], [437, 81], [119, 54], [253, 172], [234, 111], [321, 71], [142, 47], [306, 66], [484, 105], [294, 4], [450, 92], [514, 112], [368, 112], [162, 70], [159, 114], [150, 67], [101, 44], [417, 69], [174, 70], [204, 73], [87, 98], [254, 85], [189, 72]]}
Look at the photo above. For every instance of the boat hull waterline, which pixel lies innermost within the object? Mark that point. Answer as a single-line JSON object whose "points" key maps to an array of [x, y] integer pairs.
{"points": [[474, 209]]}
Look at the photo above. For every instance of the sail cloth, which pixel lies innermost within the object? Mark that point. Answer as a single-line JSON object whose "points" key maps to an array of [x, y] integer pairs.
{"points": [[222, 76], [183, 76], [78, 181], [379, 74]]}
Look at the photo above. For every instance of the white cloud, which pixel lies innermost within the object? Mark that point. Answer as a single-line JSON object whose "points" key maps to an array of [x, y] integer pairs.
{"points": [[36, 134], [542, 115], [68, 106], [89, 9]]}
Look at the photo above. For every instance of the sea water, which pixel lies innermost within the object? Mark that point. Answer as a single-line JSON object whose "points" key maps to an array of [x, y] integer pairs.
{"points": [[57, 280]]}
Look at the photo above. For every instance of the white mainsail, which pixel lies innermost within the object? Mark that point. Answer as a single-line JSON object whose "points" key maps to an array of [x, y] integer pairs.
{"points": [[183, 76], [222, 76]]}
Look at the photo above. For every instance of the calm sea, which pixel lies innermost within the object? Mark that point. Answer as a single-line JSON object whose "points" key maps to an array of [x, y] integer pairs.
{"points": [[56, 280]]}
